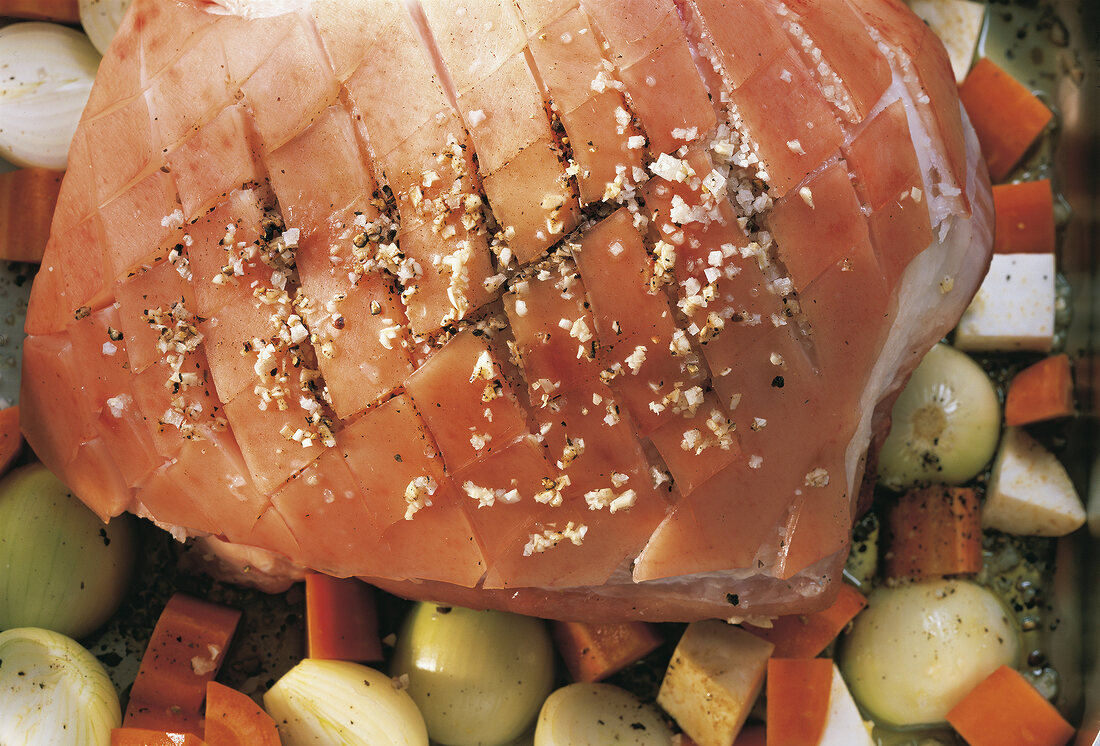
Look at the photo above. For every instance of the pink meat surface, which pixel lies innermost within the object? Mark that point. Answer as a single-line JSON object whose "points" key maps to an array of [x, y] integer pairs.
{"points": [[587, 308]]}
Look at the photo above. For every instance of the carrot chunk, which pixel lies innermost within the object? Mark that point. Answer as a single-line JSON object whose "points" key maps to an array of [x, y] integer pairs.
{"points": [[752, 735], [147, 737], [1005, 708], [233, 719], [595, 651], [27, 200], [1039, 392], [1025, 218], [798, 700], [1006, 115], [806, 635], [935, 531], [62, 11], [185, 652], [11, 438], [341, 620]]}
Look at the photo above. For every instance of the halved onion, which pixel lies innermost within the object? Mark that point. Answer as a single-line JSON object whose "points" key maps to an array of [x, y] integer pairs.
{"points": [[597, 714], [60, 567], [327, 702], [53, 692], [101, 19], [479, 677], [47, 72]]}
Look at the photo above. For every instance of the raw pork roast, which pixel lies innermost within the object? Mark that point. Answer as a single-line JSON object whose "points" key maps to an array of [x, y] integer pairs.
{"points": [[581, 308]]}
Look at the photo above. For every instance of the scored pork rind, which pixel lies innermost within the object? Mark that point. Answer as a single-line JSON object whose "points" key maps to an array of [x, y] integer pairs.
{"points": [[584, 309]]}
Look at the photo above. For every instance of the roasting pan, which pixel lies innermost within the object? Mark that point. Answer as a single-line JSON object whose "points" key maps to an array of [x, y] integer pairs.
{"points": [[1052, 46]]}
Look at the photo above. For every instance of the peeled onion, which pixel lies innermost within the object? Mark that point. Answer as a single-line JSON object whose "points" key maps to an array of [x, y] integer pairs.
{"points": [[47, 72], [327, 702], [917, 649], [598, 714], [61, 567], [479, 677], [945, 425], [53, 692], [101, 19]]}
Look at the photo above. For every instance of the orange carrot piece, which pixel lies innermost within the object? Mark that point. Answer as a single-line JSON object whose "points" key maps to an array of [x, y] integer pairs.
{"points": [[798, 700], [185, 652], [934, 531], [752, 735], [1024, 218], [1005, 708], [11, 438], [1042, 391], [593, 652], [1006, 115], [62, 11], [147, 737], [27, 200], [234, 719], [806, 635], [341, 619]]}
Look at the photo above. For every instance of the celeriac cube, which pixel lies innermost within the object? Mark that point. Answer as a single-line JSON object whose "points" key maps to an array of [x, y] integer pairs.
{"points": [[1014, 307], [958, 23], [713, 679], [1030, 493], [844, 725]]}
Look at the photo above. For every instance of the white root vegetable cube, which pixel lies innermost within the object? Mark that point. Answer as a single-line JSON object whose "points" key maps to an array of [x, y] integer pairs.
{"points": [[844, 726], [1014, 307], [958, 23], [713, 679], [1030, 493]]}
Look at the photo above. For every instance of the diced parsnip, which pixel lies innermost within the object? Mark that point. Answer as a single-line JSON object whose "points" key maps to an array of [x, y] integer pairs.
{"points": [[714, 677], [1030, 492], [1014, 307], [958, 23], [844, 726]]}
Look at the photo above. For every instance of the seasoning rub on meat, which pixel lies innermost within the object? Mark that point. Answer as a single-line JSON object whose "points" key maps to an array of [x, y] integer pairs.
{"points": [[581, 308]]}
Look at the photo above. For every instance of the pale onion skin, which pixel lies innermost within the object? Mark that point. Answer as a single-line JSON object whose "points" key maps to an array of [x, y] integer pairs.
{"points": [[598, 714], [326, 702], [945, 425], [479, 677], [53, 692], [48, 70], [920, 648], [61, 568]]}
